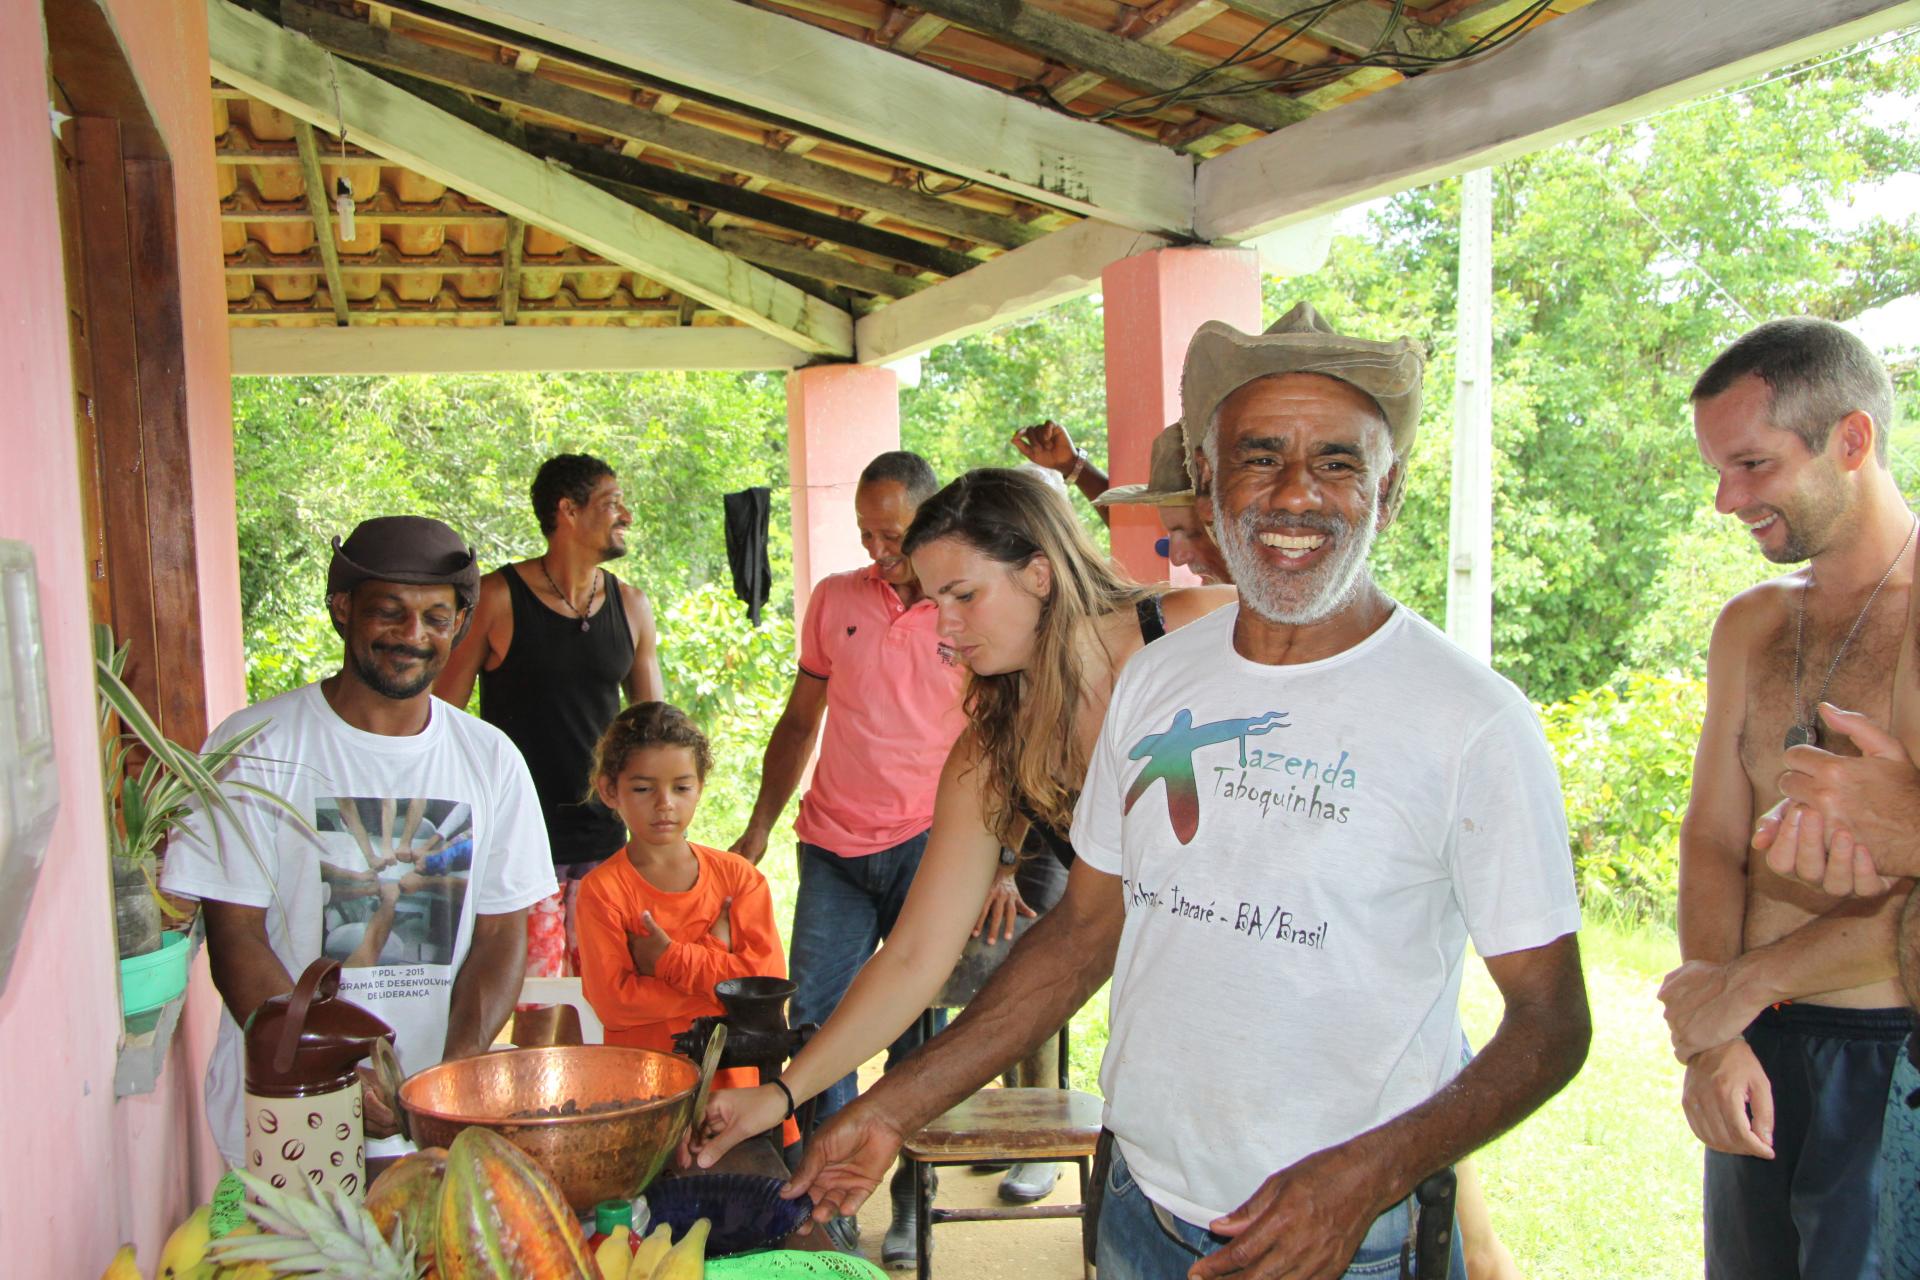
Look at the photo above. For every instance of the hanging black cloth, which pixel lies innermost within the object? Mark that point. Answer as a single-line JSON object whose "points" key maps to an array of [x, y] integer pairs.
{"points": [[747, 513]]}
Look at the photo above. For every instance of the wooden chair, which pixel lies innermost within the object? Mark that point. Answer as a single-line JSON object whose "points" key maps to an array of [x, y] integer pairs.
{"points": [[1011, 1126]]}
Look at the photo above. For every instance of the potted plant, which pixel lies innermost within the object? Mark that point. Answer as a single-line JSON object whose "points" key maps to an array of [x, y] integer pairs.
{"points": [[152, 784]]}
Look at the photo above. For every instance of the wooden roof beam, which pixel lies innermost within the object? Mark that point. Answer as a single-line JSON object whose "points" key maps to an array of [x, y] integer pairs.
{"points": [[816, 265], [1357, 26], [322, 217], [625, 175], [1032, 278], [1599, 66], [1161, 25], [387, 349], [516, 252], [781, 66], [1152, 71], [648, 128], [292, 73]]}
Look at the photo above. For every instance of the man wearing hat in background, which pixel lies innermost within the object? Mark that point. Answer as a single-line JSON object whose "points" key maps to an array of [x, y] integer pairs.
{"points": [[1169, 490], [1298, 812], [411, 843]]}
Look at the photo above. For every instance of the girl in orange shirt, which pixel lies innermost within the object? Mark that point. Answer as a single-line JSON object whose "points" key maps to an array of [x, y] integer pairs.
{"points": [[664, 920]]}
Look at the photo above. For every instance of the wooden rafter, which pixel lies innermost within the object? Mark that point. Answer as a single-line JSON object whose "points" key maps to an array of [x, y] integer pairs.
{"points": [[922, 31], [322, 217], [825, 82], [1601, 65], [383, 349], [293, 74], [647, 128], [1357, 26], [610, 169], [1064, 265], [816, 265], [1151, 70], [1161, 24], [515, 252]]}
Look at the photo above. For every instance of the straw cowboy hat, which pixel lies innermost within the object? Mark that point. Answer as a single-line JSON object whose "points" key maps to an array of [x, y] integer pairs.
{"points": [[1221, 360], [1168, 482]]}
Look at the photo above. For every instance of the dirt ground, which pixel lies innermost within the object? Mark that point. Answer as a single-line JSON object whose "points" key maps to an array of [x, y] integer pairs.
{"points": [[1045, 1250]]}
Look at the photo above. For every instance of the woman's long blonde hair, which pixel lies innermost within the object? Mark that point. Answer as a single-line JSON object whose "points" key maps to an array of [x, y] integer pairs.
{"points": [[1016, 718]]}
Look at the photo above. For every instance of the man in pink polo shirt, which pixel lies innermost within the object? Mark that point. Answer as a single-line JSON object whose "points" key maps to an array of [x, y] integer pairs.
{"points": [[889, 689]]}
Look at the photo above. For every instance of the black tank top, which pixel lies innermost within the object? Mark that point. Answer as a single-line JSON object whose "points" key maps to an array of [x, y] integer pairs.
{"points": [[553, 694], [1153, 625]]}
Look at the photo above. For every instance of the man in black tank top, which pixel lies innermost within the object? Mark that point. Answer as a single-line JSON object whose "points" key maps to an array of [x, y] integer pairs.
{"points": [[555, 641]]}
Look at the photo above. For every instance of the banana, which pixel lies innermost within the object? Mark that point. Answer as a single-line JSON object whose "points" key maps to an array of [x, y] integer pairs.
{"points": [[686, 1260], [647, 1255], [186, 1248], [123, 1266], [615, 1254]]}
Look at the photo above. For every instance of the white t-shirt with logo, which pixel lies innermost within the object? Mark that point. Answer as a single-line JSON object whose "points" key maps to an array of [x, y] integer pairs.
{"points": [[1304, 851], [415, 835]]}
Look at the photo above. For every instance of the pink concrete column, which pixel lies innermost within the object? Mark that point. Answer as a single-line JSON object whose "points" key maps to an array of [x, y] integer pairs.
{"points": [[839, 416], [1153, 303]]}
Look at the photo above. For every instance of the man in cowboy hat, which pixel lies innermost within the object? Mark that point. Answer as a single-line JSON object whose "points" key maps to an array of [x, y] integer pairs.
{"points": [[1318, 795], [409, 844]]}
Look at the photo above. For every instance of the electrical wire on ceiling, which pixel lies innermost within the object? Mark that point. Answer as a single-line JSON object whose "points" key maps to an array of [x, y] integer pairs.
{"points": [[1298, 23]]}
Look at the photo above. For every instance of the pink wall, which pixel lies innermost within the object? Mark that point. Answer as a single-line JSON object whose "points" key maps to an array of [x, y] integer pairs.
{"points": [[839, 417], [84, 1172], [1152, 303]]}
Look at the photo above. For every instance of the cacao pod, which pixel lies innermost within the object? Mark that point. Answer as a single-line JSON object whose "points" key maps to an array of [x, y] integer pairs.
{"points": [[409, 1193], [501, 1215]]}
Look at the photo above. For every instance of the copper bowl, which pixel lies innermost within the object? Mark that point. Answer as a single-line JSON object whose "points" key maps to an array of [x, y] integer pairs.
{"points": [[608, 1154]]}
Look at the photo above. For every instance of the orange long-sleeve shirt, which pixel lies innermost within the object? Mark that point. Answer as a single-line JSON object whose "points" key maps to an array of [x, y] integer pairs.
{"points": [[646, 1012]]}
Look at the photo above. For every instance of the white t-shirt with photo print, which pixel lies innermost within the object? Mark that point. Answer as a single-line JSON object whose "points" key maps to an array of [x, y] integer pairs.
{"points": [[411, 837], [1304, 852]]}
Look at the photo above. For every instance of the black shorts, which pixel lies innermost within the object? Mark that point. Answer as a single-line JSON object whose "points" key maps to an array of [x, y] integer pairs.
{"points": [[1809, 1213]]}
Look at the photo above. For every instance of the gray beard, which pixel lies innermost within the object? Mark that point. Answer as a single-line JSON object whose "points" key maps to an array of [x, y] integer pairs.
{"points": [[1316, 595]]}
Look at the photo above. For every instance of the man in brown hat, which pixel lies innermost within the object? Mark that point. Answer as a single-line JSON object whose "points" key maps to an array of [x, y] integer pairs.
{"points": [[409, 845], [1185, 517], [1298, 812]]}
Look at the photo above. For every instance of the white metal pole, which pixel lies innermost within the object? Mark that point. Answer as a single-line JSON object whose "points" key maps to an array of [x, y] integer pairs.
{"points": [[1470, 541]]}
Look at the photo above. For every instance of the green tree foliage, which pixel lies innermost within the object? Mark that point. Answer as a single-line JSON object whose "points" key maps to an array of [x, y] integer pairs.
{"points": [[315, 456], [1626, 756], [1623, 263]]}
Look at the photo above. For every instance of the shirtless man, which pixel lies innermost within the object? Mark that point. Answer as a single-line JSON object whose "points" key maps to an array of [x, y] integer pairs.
{"points": [[1793, 418]]}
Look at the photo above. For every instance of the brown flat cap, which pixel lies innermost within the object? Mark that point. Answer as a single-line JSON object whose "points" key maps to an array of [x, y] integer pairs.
{"points": [[416, 550]]}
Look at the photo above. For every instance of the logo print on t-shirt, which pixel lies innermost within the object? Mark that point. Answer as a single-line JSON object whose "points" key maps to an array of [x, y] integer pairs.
{"points": [[396, 872], [1169, 757]]}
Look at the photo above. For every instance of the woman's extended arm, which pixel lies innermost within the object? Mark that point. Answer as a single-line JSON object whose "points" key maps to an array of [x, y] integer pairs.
{"points": [[896, 985]]}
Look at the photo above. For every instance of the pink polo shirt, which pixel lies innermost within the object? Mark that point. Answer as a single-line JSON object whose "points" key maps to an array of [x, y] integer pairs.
{"points": [[893, 712]]}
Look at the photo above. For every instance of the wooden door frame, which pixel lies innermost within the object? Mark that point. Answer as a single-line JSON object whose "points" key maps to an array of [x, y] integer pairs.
{"points": [[129, 298]]}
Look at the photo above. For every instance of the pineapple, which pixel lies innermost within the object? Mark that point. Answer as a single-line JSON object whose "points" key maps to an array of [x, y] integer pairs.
{"points": [[316, 1233]]}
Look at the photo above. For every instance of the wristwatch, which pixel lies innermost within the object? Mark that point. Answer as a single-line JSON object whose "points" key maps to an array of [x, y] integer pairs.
{"points": [[1009, 857]]}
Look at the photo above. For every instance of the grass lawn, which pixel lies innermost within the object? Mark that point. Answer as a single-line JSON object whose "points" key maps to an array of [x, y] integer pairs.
{"points": [[1602, 1181], [1605, 1179]]}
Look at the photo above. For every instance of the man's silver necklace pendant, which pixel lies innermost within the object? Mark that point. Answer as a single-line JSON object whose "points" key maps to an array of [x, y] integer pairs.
{"points": [[593, 593], [1806, 732]]}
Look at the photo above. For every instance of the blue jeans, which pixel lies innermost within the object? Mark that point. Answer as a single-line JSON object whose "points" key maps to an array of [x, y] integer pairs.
{"points": [[845, 908], [1133, 1245]]}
